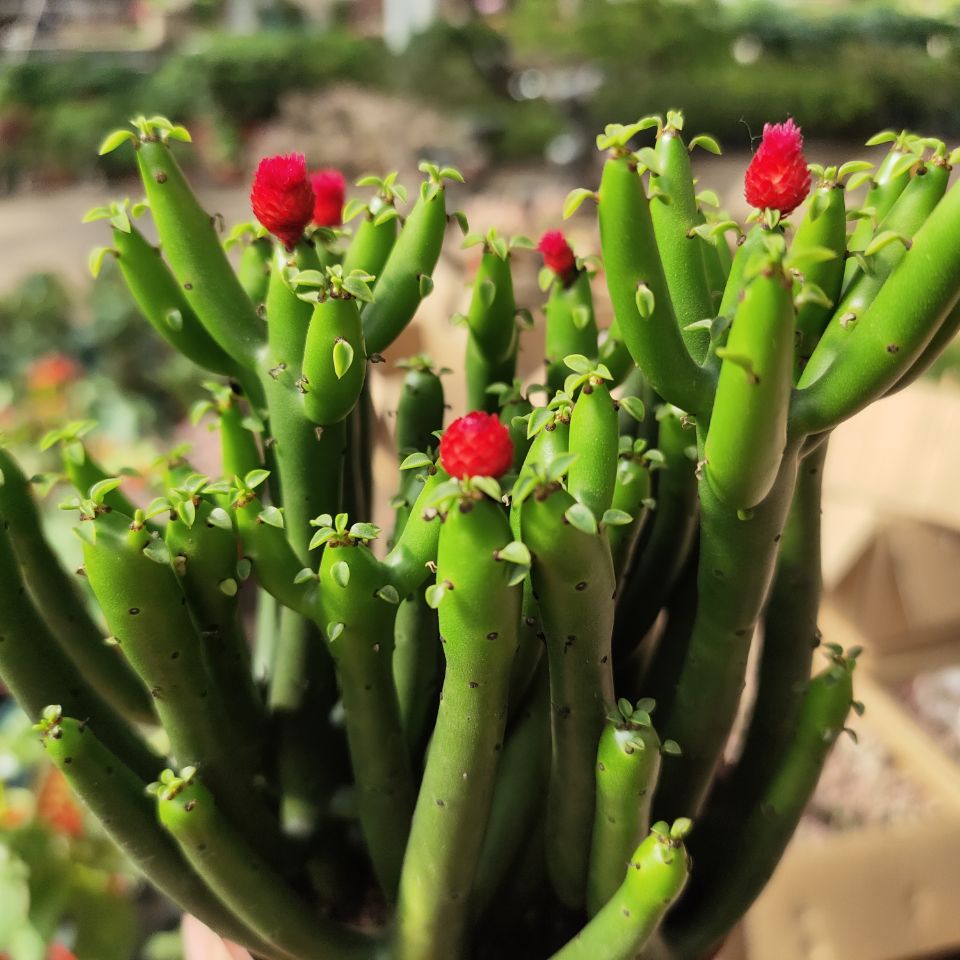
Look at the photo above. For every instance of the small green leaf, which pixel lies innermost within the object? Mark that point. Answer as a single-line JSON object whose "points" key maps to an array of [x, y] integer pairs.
{"points": [[634, 407], [557, 468], [580, 516], [486, 292], [488, 485], [705, 142], [434, 594], [359, 289], [581, 316], [365, 531], [334, 631], [574, 199], [544, 278], [114, 140], [272, 517], [187, 512], [254, 478], [672, 748], [616, 518], [244, 568], [538, 420], [95, 260], [885, 136], [462, 221], [645, 300], [220, 518], [340, 573], [304, 575], [681, 827], [578, 363], [884, 239], [180, 133], [321, 537], [228, 587], [342, 357], [388, 593], [416, 460], [515, 552], [157, 551], [100, 489]]}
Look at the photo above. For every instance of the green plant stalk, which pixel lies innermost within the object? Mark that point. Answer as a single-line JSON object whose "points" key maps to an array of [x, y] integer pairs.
{"points": [[736, 565], [38, 673], [192, 249], [631, 490], [824, 225], [630, 258], [549, 443], [574, 583], [359, 494], [886, 187], [482, 372], [362, 649], [146, 611], [654, 878], [755, 846], [83, 471], [492, 312], [942, 339], [748, 426], [675, 213], [246, 883], [329, 395], [661, 553], [909, 309], [517, 794], [594, 438], [370, 247], [907, 215], [239, 453], [478, 627], [66, 613], [205, 558], [118, 798], [628, 764], [615, 356], [571, 326], [413, 256], [253, 271]]}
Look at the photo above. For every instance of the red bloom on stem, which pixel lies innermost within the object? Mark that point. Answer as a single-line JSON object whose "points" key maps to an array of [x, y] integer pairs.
{"points": [[778, 178], [282, 197], [557, 255], [329, 190], [477, 445]]}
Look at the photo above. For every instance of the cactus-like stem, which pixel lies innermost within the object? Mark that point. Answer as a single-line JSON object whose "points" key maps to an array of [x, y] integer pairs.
{"points": [[755, 846], [571, 326], [118, 797], [50, 586], [655, 877]]}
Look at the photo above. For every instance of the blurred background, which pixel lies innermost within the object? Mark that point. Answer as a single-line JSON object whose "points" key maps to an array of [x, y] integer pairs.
{"points": [[513, 93]]}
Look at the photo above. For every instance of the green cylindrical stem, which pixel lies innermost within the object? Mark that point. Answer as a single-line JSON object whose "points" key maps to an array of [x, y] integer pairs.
{"points": [[675, 213], [239, 453], [824, 225], [247, 884], [205, 558], [748, 427], [479, 615], [574, 583], [662, 551], [38, 673], [906, 216], [631, 490], [332, 390], [482, 372], [730, 593], [253, 271], [118, 798], [192, 248], [655, 877], [518, 793], [370, 247], [491, 316], [594, 437], [414, 256], [631, 261], [887, 185], [417, 545], [161, 300], [148, 615], [571, 326], [52, 590], [628, 764], [754, 847], [360, 628], [615, 356], [420, 409], [896, 328], [945, 335]]}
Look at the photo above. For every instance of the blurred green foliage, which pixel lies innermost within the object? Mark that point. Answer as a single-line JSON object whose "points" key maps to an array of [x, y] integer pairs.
{"points": [[843, 73]]}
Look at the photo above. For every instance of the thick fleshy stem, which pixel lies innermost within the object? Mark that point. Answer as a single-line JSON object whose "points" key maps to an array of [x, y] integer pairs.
{"points": [[52, 590], [457, 788]]}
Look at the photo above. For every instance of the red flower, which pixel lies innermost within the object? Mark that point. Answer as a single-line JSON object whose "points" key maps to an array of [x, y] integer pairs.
{"points": [[477, 445], [778, 178], [557, 255], [282, 197], [329, 189], [57, 951], [52, 371]]}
